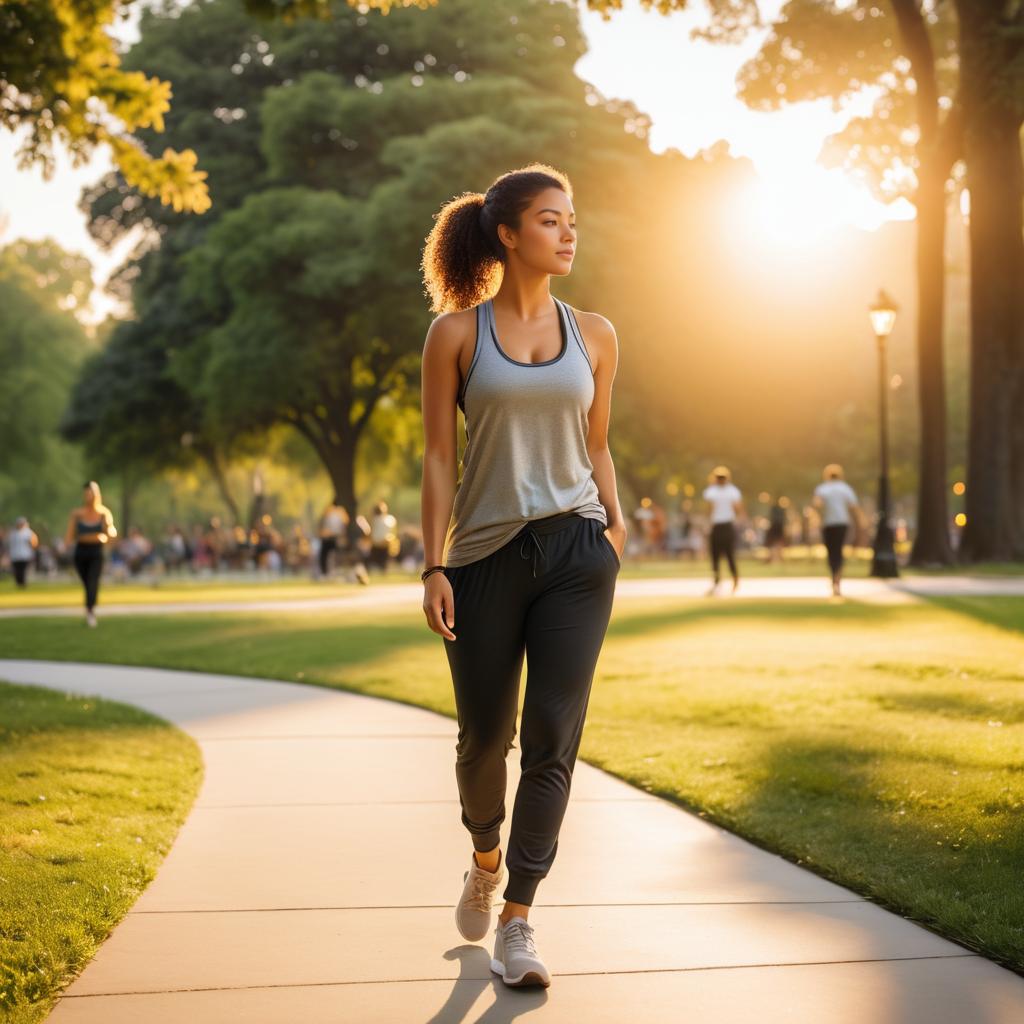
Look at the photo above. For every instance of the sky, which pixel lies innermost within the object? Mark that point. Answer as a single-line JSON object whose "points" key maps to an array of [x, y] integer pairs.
{"points": [[686, 86]]}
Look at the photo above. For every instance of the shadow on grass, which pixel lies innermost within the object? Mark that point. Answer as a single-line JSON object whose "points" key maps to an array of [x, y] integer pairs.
{"points": [[959, 706], [820, 805], [1004, 612], [689, 612]]}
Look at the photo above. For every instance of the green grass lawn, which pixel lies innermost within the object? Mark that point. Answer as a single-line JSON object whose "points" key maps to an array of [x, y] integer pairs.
{"points": [[91, 796], [172, 589], [881, 746]]}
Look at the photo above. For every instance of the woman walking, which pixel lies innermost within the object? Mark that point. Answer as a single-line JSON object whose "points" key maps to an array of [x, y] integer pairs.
{"points": [[90, 526], [532, 535], [332, 527], [724, 503], [836, 500]]}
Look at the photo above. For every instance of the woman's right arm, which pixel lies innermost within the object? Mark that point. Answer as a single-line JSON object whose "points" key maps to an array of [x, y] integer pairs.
{"points": [[440, 386], [69, 533]]}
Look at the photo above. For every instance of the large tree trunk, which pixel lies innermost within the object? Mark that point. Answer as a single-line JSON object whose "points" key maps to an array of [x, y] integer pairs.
{"points": [[935, 150], [341, 467], [931, 544], [1017, 462], [996, 181], [334, 429], [337, 452]]}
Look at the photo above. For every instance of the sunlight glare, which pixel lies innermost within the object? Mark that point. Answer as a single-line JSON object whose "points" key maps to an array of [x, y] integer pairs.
{"points": [[799, 205]]}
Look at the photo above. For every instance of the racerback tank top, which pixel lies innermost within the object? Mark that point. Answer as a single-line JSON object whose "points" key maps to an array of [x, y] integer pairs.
{"points": [[526, 441]]}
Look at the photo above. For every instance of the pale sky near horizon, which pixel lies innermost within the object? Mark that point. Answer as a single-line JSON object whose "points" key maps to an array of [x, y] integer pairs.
{"points": [[686, 86]]}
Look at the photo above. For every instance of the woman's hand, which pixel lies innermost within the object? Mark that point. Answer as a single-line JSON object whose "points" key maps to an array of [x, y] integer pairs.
{"points": [[439, 604], [616, 534]]}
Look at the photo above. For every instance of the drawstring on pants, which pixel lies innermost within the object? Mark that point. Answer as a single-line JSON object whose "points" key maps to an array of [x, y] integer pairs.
{"points": [[538, 548]]}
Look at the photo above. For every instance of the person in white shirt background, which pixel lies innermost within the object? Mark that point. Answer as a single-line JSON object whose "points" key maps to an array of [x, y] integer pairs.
{"points": [[725, 504], [21, 546], [837, 501], [382, 535]]}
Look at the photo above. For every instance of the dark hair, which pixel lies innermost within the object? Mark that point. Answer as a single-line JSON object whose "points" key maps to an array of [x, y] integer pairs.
{"points": [[463, 254]]}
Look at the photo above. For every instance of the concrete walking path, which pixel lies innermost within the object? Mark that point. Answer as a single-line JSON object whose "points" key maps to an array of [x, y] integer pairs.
{"points": [[315, 879], [409, 595]]}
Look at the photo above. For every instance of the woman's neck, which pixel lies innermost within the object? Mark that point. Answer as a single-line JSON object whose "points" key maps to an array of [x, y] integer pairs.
{"points": [[524, 293]]}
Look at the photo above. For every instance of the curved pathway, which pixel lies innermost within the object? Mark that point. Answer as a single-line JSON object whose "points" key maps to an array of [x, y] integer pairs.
{"points": [[315, 877]]}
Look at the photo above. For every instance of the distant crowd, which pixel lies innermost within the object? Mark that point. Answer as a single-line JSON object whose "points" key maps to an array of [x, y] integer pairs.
{"points": [[342, 545], [351, 546]]}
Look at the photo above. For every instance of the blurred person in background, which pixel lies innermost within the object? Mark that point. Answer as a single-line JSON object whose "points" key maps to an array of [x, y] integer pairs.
{"points": [[383, 536], [297, 551], [175, 549], [90, 528], [333, 524], [268, 547], [22, 543], [725, 504], [837, 503], [775, 535], [355, 548], [137, 550]]}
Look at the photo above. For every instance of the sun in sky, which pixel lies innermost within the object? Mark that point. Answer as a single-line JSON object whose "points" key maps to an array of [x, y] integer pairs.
{"points": [[688, 87]]}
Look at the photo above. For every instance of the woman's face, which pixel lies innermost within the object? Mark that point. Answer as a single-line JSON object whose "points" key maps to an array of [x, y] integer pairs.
{"points": [[88, 496], [546, 237]]}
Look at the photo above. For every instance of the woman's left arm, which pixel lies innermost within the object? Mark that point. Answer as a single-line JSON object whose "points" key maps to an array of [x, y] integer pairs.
{"points": [[603, 347]]}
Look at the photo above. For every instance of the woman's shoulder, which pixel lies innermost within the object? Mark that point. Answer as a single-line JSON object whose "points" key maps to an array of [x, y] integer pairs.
{"points": [[452, 328], [593, 322], [599, 337]]}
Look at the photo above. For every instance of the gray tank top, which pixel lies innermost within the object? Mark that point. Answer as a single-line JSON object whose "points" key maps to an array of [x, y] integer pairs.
{"points": [[526, 441]]}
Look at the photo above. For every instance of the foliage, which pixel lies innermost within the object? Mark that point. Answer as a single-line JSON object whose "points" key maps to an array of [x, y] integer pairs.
{"points": [[41, 348]]}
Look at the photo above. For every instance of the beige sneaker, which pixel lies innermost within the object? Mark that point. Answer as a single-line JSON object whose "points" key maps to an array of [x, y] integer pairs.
{"points": [[515, 955], [473, 913]]}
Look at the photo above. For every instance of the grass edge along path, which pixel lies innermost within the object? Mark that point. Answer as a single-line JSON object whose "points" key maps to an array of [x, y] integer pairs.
{"points": [[92, 794]]}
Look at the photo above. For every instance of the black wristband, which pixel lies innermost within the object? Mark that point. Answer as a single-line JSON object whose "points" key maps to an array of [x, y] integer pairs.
{"points": [[432, 569]]}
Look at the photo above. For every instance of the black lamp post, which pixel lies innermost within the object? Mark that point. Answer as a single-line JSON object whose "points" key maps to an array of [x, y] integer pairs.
{"points": [[883, 563]]}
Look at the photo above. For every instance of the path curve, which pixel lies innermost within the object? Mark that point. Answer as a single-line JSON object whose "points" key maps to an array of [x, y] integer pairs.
{"points": [[321, 860]]}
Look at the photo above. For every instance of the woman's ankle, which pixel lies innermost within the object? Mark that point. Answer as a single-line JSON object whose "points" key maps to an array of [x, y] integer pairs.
{"points": [[489, 861], [510, 910]]}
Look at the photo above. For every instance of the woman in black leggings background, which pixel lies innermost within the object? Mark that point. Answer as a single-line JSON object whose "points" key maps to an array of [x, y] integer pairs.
{"points": [[90, 526]]}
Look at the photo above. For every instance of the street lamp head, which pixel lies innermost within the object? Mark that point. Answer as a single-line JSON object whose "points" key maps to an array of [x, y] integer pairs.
{"points": [[883, 314]]}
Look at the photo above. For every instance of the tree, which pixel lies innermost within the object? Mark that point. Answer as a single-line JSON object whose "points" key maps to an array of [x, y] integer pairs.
{"points": [[908, 146], [41, 347], [950, 96], [992, 76], [61, 78], [297, 299], [133, 418]]}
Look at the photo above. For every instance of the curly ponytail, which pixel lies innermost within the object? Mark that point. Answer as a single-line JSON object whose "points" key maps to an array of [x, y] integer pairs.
{"points": [[463, 257]]}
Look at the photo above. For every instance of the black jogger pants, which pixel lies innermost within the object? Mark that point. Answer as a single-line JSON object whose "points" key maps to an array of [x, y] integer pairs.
{"points": [[89, 566], [723, 542], [547, 594], [835, 537]]}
